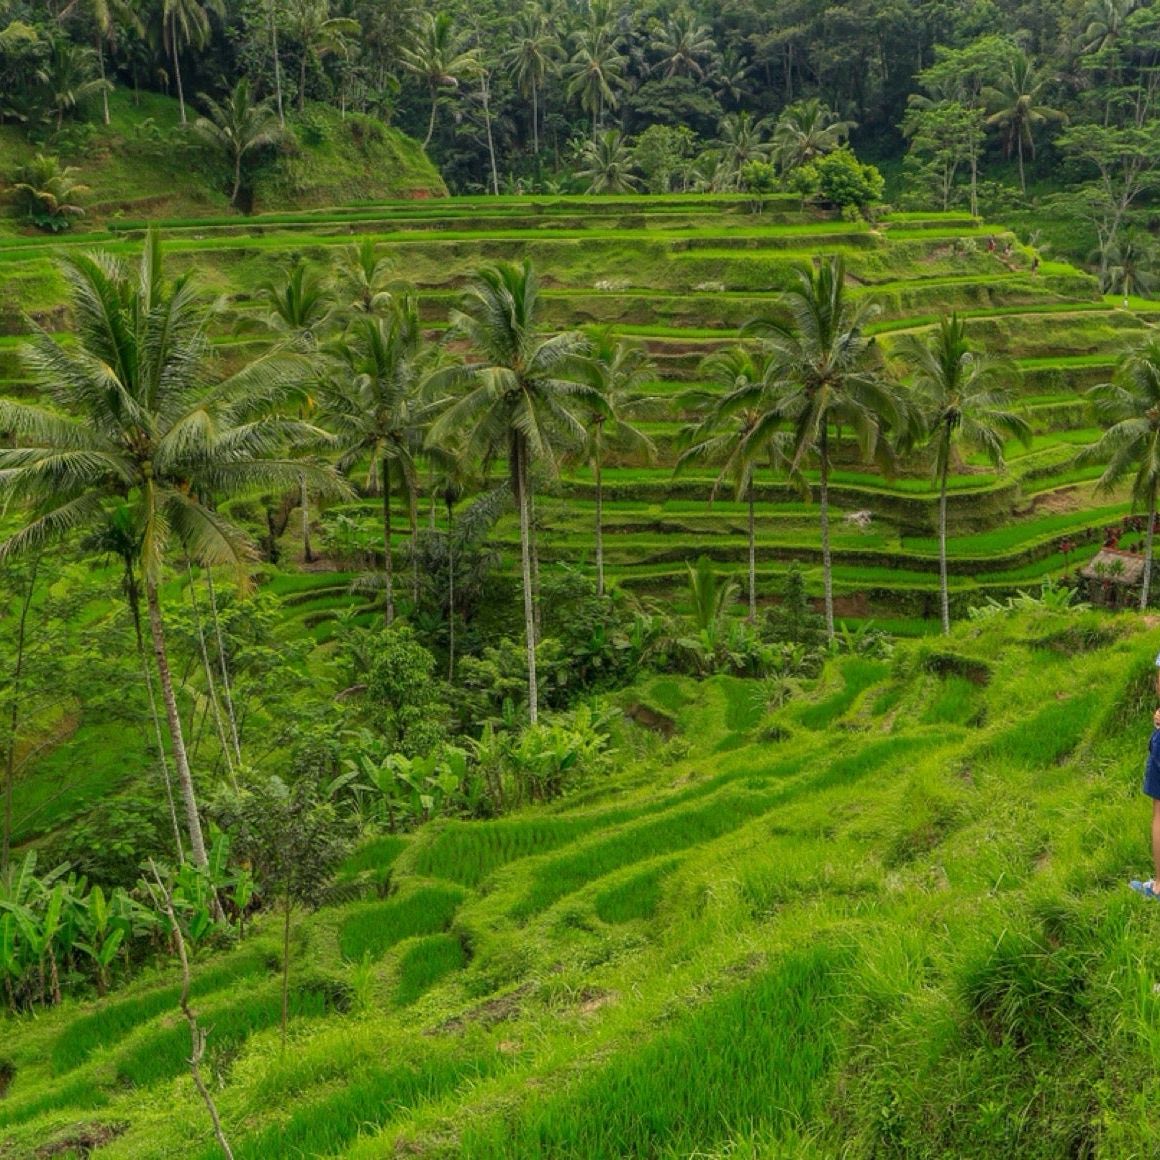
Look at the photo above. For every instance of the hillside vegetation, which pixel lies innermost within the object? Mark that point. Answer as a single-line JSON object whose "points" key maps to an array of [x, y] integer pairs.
{"points": [[889, 919]]}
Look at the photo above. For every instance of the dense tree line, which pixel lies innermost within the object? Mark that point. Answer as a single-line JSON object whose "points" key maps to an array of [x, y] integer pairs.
{"points": [[988, 102]]}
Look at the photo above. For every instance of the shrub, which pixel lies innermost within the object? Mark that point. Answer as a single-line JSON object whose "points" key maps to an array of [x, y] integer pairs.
{"points": [[48, 193]]}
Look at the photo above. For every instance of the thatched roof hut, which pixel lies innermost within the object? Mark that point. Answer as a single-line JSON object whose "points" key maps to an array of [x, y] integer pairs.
{"points": [[1113, 577]]}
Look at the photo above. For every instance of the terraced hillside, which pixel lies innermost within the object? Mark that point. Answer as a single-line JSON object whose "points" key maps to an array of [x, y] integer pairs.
{"points": [[682, 274], [896, 906]]}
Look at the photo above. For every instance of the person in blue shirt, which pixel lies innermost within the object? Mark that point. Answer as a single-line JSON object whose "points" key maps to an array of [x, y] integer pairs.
{"points": [[1151, 888]]}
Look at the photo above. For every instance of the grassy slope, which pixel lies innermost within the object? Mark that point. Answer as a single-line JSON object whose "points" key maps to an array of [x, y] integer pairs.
{"points": [[892, 917], [134, 167]]}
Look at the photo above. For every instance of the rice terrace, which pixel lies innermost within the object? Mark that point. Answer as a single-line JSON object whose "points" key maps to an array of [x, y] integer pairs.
{"points": [[576, 580]]}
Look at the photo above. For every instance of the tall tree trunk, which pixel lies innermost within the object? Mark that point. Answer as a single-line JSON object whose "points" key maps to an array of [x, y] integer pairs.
{"points": [[450, 593], [599, 512], [237, 178], [1022, 179], [535, 552], [133, 595], [824, 504], [104, 85], [177, 76], [384, 472], [14, 716], [944, 595], [307, 554], [227, 691], [177, 739], [1147, 580], [535, 121], [974, 181], [210, 683], [519, 455], [302, 81], [752, 558], [287, 908], [277, 66], [485, 92], [431, 119], [413, 516]]}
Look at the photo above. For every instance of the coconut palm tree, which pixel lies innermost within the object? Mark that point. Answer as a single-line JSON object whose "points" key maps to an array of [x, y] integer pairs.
{"points": [[318, 34], [608, 164], [1129, 406], [300, 305], [185, 24], [364, 278], [596, 70], [376, 406], [236, 127], [740, 140], [68, 76], [141, 414], [106, 15], [530, 60], [618, 369], [1017, 109], [807, 130], [961, 398], [738, 429], [1130, 269], [819, 372], [684, 45], [522, 395], [439, 56]]}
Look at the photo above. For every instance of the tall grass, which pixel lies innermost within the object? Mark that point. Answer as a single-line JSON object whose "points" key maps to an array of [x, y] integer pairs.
{"points": [[373, 928], [750, 1059], [427, 961]]}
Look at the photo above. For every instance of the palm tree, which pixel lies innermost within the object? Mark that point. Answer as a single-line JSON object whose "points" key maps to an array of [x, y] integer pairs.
{"points": [[738, 429], [142, 415], [960, 397], [531, 57], [439, 56], [819, 373], [300, 306], [378, 410], [684, 45], [1105, 23], [185, 24], [237, 126], [364, 278], [1130, 268], [520, 396], [807, 130], [1016, 108], [596, 70], [68, 76], [740, 140], [318, 34], [618, 370], [1129, 407], [106, 15], [608, 164]]}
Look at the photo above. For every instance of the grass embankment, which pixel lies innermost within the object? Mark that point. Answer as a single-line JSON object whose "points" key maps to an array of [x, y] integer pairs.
{"points": [[890, 919]]}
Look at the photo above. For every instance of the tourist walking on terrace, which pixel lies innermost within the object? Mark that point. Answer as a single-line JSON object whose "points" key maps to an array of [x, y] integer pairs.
{"points": [[1151, 888]]}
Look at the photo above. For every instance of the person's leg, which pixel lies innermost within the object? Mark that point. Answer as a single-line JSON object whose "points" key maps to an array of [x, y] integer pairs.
{"points": [[1156, 841]]}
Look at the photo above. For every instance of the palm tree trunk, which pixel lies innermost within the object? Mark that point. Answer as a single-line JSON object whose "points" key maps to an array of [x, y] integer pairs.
{"points": [[277, 67], [1147, 580], [14, 717], [522, 499], [535, 121], [210, 683], [450, 593], [133, 594], [237, 177], [302, 81], [177, 76], [389, 562], [599, 515], [180, 760], [485, 92], [944, 596], [307, 554], [227, 692], [1022, 179], [431, 120], [824, 504], [535, 553], [413, 515], [104, 86], [752, 559]]}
